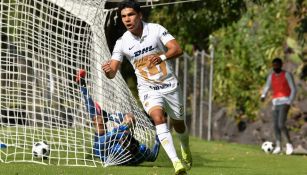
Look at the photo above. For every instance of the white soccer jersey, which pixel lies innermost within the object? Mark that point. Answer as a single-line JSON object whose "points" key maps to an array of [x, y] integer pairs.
{"points": [[160, 77]]}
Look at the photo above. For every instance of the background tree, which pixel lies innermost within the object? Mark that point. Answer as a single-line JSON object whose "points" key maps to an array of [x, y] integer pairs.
{"points": [[249, 34], [193, 22]]}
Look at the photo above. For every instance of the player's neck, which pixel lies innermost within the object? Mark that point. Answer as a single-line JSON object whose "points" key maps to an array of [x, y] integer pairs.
{"points": [[278, 72], [139, 31]]}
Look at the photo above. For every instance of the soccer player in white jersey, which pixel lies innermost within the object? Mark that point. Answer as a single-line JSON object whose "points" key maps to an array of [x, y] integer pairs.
{"points": [[149, 47]]}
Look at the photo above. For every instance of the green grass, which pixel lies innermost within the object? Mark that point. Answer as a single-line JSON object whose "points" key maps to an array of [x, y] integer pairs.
{"points": [[212, 158]]}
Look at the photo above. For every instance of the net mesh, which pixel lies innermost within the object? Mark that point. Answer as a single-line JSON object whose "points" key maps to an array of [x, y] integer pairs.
{"points": [[43, 44]]}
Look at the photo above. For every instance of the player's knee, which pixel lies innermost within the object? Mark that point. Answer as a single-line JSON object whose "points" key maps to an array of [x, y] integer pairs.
{"points": [[158, 116]]}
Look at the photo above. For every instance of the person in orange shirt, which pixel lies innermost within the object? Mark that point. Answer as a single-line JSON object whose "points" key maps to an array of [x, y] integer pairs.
{"points": [[283, 89]]}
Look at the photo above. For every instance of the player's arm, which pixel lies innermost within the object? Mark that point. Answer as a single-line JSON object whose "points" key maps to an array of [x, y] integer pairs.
{"points": [[110, 68], [292, 86], [266, 87], [125, 121], [173, 49]]}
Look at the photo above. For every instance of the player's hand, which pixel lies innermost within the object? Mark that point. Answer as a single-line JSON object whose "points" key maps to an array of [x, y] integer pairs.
{"points": [[106, 67], [110, 68], [154, 60]]}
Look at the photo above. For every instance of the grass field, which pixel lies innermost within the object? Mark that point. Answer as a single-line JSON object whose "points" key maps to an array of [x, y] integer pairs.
{"points": [[210, 158]]}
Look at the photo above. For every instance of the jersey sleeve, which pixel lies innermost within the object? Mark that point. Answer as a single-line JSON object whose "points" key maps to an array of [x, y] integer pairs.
{"points": [[267, 86], [117, 53], [291, 83], [164, 35]]}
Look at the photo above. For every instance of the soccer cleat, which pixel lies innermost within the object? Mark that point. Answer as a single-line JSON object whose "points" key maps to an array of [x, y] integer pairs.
{"points": [[277, 150], [80, 76], [289, 149], [187, 157], [179, 168]]}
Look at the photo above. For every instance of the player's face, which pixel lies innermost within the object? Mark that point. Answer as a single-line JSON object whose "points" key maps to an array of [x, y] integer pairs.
{"points": [[277, 67], [132, 20]]}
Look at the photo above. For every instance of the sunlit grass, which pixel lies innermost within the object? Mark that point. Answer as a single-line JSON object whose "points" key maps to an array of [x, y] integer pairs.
{"points": [[213, 158]]}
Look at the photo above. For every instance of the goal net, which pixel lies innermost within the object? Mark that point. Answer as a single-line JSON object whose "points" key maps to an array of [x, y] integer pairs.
{"points": [[43, 44]]}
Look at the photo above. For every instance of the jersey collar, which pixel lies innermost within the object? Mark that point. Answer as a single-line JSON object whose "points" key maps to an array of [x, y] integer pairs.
{"points": [[144, 33]]}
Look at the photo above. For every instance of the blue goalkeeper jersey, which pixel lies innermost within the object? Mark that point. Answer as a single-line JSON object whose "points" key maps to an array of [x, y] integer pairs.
{"points": [[119, 142]]}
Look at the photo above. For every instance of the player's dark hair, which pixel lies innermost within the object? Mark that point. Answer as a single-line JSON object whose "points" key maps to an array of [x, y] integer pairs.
{"points": [[277, 60], [129, 4]]}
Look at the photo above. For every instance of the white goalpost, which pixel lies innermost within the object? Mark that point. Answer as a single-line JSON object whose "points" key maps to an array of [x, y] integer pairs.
{"points": [[43, 44]]}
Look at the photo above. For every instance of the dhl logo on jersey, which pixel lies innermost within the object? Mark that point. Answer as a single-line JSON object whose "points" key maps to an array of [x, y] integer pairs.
{"points": [[144, 50]]}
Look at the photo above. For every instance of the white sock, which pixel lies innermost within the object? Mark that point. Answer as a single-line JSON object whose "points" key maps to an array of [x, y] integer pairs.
{"points": [[184, 138], [166, 141], [277, 144]]}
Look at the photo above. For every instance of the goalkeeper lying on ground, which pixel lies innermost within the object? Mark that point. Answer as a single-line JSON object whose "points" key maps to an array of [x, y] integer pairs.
{"points": [[119, 141]]}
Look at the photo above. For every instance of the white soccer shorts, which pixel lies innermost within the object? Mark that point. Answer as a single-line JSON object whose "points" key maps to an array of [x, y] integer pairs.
{"points": [[171, 103]]}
